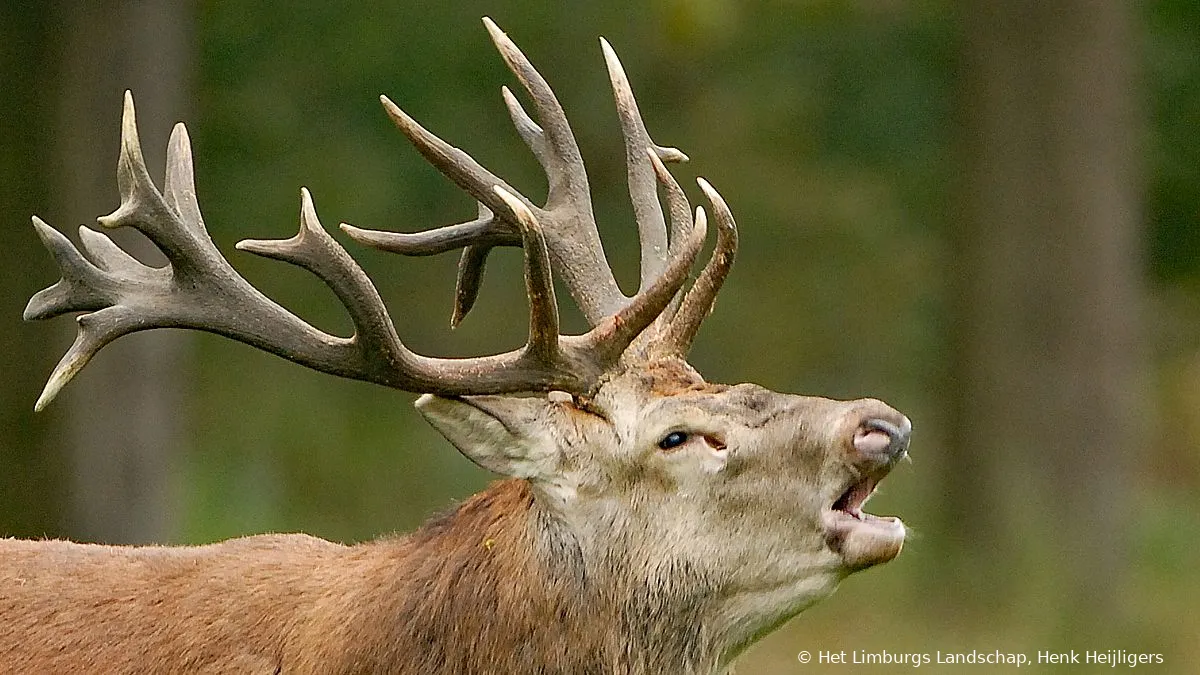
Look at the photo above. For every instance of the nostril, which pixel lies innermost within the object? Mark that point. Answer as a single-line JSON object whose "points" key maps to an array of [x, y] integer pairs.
{"points": [[877, 437], [870, 441]]}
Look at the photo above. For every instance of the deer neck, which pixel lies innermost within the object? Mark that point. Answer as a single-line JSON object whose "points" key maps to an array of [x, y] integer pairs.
{"points": [[499, 586]]}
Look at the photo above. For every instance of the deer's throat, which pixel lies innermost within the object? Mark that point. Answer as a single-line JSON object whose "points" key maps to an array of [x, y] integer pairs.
{"points": [[502, 586]]}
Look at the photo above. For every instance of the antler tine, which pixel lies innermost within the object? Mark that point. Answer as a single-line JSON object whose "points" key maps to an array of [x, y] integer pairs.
{"points": [[527, 129], [483, 230], [172, 221], [677, 335], [468, 281], [314, 250], [563, 163], [681, 218], [476, 237], [573, 240], [643, 189], [612, 338], [455, 164], [539, 283]]}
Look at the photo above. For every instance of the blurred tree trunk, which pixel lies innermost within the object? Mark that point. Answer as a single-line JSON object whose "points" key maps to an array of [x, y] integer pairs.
{"points": [[32, 490], [1048, 264], [125, 410]]}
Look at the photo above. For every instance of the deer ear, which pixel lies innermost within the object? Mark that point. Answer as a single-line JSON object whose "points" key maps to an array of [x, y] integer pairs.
{"points": [[504, 434]]}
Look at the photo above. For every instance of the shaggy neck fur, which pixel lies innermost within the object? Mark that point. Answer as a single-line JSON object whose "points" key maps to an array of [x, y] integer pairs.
{"points": [[498, 586]]}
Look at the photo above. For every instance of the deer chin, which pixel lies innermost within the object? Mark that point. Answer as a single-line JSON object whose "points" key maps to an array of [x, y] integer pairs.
{"points": [[860, 538]]}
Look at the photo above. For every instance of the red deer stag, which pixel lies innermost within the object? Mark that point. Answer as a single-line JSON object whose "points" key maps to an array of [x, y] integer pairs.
{"points": [[648, 521]]}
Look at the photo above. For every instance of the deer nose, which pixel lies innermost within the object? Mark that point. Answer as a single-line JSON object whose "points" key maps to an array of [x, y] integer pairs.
{"points": [[883, 440]]}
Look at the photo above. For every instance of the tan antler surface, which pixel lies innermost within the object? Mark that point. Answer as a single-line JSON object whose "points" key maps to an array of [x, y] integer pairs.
{"points": [[198, 289], [572, 239]]}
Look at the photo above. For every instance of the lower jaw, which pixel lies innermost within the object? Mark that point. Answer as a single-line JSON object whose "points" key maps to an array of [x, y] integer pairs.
{"points": [[866, 542]]}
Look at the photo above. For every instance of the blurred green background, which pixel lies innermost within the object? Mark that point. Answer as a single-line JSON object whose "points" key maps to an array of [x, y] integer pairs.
{"points": [[987, 215]]}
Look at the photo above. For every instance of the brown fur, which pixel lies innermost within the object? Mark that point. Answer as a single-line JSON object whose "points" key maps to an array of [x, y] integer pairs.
{"points": [[674, 376], [493, 587]]}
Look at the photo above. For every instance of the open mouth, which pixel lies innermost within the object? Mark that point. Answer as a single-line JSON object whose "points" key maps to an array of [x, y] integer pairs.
{"points": [[862, 539], [855, 496]]}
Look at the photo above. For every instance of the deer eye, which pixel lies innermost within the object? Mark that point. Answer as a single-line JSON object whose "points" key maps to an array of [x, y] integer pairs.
{"points": [[673, 440]]}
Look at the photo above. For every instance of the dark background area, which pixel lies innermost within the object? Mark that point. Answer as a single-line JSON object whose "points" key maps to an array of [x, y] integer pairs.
{"points": [[988, 216]]}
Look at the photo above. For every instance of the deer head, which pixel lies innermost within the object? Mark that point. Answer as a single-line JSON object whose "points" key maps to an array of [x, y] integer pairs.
{"points": [[731, 507]]}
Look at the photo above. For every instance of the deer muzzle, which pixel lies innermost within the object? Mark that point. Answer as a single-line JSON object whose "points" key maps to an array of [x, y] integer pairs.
{"points": [[879, 441]]}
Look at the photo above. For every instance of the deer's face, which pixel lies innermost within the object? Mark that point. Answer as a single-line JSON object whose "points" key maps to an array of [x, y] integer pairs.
{"points": [[756, 492]]}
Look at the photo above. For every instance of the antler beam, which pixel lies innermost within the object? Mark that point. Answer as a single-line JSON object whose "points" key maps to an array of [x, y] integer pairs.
{"points": [[198, 288]]}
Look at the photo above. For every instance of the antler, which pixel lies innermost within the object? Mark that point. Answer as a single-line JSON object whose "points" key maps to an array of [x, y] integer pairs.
{"points": [[572, 239], [198, 289]]}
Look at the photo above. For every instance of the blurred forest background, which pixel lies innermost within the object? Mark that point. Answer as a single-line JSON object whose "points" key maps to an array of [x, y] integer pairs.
{"points": [[986, 214]]}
